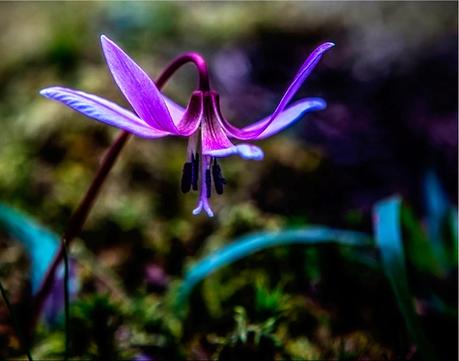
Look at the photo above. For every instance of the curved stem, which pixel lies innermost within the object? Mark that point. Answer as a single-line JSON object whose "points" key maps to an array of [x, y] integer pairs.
{"points": [[188, 57], [77, 220], [79, 217]]}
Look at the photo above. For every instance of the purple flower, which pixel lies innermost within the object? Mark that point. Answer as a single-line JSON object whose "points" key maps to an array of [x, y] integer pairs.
{"points": [[202, 122]]}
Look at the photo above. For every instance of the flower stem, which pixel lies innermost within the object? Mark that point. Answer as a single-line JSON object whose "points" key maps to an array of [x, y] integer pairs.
{"points": [[79, 217], [189, 57], [77, 220], [15, 322]]}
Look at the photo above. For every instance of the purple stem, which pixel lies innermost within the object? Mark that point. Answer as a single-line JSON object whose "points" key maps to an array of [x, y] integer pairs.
{"points": [[79, 217], [189, 57]]}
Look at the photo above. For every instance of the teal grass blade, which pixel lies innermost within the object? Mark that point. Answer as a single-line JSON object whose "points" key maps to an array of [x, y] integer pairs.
{"points": [[454, 232], [437, 209], [389, 241], [40, 244], [250, 244]]}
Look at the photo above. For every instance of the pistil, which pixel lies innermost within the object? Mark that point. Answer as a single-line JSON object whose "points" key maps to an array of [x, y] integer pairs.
{"points": [[208, 183], [195, 171], [203, 202]]}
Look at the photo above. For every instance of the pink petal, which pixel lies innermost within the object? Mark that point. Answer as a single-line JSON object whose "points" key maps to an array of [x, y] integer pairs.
{"points": [[103, 111], [255, 131], [213, 136], [137, 87], [215, 141], [191, 117]]}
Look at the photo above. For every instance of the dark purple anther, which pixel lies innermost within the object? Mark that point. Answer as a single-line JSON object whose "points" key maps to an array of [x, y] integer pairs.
{"points": [[219, 181], [186, 177], [208, 183], [195, 171]]}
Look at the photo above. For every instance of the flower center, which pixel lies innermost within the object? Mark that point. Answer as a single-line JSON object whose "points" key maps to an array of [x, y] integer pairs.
{"points": [[201, 170]]}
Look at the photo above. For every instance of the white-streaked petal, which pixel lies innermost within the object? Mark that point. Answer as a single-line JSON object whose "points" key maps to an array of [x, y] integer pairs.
{"points": [[102, 110]]}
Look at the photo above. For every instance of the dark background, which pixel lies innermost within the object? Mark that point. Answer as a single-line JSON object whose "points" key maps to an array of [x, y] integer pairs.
{"points": [[391, 88]]}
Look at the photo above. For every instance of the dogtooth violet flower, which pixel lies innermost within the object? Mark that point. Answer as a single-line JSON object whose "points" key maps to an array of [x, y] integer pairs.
{"points": [[202, 122]]}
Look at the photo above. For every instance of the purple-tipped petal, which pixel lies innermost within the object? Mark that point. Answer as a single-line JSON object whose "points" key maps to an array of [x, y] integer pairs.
{"points": [[285, 119], [255, 131], [137, 87], [246, 151], [102, 110]]}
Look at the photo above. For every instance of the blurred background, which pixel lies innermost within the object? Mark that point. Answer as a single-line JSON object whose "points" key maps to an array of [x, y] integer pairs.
{"points": [[390, 128]]}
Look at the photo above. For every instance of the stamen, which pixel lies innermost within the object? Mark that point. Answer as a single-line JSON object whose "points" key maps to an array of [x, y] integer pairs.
{"points": [[219, 181], [208, 183], [195, 171], [186, 177]]}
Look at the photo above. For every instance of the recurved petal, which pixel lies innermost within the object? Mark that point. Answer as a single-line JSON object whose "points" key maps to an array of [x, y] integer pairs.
{"points": [[102, 110], [285, 119], [137, 87], [255, 130], [301, 76]]}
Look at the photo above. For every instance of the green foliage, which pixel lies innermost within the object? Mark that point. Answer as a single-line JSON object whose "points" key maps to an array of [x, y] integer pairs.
{"points": [[94, 323], [269, 302], [389, 242], [252, 341]]}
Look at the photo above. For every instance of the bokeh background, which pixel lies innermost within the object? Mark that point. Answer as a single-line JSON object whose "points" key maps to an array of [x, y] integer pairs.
{"points": [[391, 123]]}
